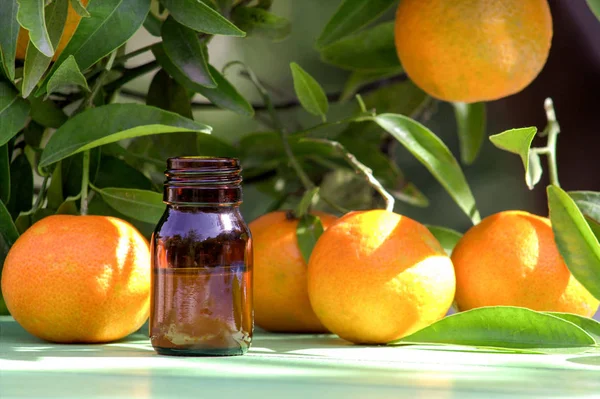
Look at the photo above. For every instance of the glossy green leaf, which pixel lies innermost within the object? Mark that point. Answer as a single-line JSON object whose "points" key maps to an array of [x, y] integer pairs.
{"points": [[13, 112], [262, 23], [309, 92], [166, 93], [112, 123], [590, 326], [21, 186], [209, 145], [588, 202], [448, 238], [98, 206], [435, 156], [31, 16], [358, 79], [470, 119], [36, 62], [72, 172], [182, 46], [576, 241], [4, 174], [595, 7], [351, 16], [153, 24], [518, 141], [33, 134], [410, 194], [404, 98], [9, 31], [46, 112], [112, 23], [68, 207], [504, 327], [143, 205], [55, 189], [308, 231], [80, 8], [594, 225], [8, 229], [197, 15], [370, 50], [113, 172], [67, 74], [224, 95]]}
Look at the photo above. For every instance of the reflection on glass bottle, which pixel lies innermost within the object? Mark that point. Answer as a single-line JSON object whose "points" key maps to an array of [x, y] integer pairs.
{"points": [[202, 262]]}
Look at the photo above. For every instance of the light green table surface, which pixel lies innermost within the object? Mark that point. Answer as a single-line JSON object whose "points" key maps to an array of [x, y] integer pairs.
{"points": [[284, 366]]}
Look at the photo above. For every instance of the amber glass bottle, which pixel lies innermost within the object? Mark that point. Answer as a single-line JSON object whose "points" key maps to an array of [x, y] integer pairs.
{"points": [[202, 262]]}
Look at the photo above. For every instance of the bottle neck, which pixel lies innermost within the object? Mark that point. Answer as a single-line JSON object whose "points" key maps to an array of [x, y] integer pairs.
{"points": [[203, 181]]}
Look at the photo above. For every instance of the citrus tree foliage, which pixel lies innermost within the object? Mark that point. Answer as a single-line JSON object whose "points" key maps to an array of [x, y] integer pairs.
{"points": [[70, 144]]}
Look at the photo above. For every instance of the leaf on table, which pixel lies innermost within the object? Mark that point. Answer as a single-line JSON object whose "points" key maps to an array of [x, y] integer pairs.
{"points": [[224, 96], [351, 16], [146, 206], [575, 239], [21, 186], [112, 123], [372, 50], [447, 237], [310, 93], [518, 141], [166, 93], [308, 231], [504, 327], [80, 8], [9, 31], [435, 156], [67, 74], [31, 16], [4, 174], [201, 17], [113, 22], [590, 326], [471, 121], [13, 112], [183, 48], [37, 62], [262, 23]]}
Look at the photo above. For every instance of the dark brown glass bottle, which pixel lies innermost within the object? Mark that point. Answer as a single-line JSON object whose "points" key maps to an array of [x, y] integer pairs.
{"points": [[201, 303]]}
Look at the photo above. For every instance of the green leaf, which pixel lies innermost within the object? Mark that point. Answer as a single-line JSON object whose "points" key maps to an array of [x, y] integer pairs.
{"points": [[8, 229], [200, 17], [595, 7], [4, 174], [435, 156], [209, 145], [112, 123], [448, 238], [31, 18], [21, 186], [588, 202], [67, 74], [13, 112], [309, 92], [308, 231], [534, 173], [504, 327], [351, 16], [470, 119], [33, 134], [36, 62], [143, 205], [224, 95], [518, 141], [55, 190], [46, 112], [113, 172], [575, 239], [112, 23], [369, 51], [68, 207], [359, 79], [80, 8], [262, 23], [153, 24], [590, 326], [9, 31], [165, 93], [594, 225], [182, 46], [404, 98]]}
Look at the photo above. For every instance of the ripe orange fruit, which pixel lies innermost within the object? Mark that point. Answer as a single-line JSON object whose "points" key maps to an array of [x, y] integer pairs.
{"points": [[280, 296], [473, 50], [78, 279], [376, 276], [70, 25], [511, 259]]}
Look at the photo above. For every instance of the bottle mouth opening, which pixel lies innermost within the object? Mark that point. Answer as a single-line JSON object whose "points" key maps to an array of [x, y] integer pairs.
{"points": [[203, 171]]}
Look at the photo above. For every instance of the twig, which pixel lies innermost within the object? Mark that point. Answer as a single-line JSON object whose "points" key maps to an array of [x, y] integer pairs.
{"points": [[141, 50], [85, 180], [131, 74]]}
